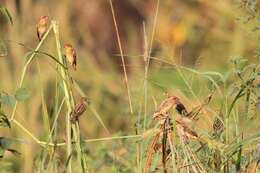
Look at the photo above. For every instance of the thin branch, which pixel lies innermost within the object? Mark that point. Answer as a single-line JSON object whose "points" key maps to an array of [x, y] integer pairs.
{"points": [[122, 57], [26, 66]]}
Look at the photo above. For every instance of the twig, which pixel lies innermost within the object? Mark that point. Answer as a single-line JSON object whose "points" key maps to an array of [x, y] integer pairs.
{"points": [[122, 57]]}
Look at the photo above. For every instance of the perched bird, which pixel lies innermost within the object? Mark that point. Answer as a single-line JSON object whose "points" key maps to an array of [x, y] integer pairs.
{"points": [[181, 108], [217, 126], [166, 106], [79, 109], [71, 55], [184, 130], [41, 26]]}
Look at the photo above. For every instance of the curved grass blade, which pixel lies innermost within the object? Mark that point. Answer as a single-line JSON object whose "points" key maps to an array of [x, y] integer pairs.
{"points": [[6, 13]]}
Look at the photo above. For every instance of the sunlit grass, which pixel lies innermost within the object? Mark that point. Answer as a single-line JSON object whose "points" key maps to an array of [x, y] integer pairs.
{"points": [[115, 132]]}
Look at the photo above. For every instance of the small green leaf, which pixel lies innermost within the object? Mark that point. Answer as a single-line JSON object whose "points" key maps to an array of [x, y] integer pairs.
{"points": [[7, 100], [3, 49], [5, 143], [22, 94], [2, 152], [4, 146]]}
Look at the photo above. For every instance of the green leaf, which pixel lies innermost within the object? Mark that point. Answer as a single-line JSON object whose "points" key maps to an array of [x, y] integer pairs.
{"points": [[3, 49], [154, 162], [7, 100], [6, 13], [4, 146], [2, 152], [5, 143], [4, 122], [22, 94]]}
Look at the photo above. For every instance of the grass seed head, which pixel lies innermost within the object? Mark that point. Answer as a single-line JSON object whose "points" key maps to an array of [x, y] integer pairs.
{"points": [[165, 107]]}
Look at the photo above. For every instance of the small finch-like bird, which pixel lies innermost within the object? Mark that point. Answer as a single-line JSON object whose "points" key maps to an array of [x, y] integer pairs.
{"points": [[71, 55], [165, 106], [79, 109], [217, 126], [41, 26], [184, 131]]}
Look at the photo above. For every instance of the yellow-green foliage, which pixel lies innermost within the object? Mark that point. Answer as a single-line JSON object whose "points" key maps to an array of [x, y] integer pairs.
{"points": [[190, 49]]}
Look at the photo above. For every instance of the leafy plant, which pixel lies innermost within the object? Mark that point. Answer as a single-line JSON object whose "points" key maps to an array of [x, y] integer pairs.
{"points": [[5, 144]]}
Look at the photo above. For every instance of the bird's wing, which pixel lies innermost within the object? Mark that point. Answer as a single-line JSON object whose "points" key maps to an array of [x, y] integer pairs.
{"points": [[38, 34]]}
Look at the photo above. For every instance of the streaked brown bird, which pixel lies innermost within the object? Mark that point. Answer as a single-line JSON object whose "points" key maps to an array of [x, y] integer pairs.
{"points": [[79, 109], [71, 55], [165, 106], [41, 26], [217, 126]]}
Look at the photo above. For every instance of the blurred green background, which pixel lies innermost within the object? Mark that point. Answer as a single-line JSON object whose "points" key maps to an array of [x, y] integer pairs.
{"points": [[200, 34]]}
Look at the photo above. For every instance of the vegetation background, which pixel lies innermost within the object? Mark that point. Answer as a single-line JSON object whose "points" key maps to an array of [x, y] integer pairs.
{"points": [[194, 47]]}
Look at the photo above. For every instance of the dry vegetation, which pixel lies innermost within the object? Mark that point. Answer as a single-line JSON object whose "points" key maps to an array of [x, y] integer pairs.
{"points": [[129, 86]]}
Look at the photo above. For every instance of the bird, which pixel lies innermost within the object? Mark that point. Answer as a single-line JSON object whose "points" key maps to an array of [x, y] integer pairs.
{"points": [[184, 131], [79, 109], [217, 126], [166, 106], [71, 55], [41, 26], [181, 108]]}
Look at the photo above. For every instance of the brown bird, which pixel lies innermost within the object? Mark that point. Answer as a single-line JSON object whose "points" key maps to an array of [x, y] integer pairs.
{"points": [[165, 106], [79, 109], [71, 55], [217, 126], [184, 131], [41, 26]]}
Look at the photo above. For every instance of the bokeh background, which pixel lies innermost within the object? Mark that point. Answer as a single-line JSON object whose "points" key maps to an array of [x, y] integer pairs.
{"points": [[200, 34]]}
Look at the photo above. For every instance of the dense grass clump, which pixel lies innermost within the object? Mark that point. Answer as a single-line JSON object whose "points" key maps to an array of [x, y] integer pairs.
{"points": [[60, 112]]}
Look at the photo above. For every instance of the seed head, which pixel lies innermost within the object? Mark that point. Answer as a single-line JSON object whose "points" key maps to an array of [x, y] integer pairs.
{"points": [[166, 106]]}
